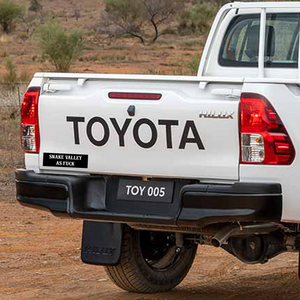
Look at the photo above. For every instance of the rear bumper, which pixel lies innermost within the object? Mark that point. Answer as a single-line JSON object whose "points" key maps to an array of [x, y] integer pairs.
{"points": [[196, 205]]}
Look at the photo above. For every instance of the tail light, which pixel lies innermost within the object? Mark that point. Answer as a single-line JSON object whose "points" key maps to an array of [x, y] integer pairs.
{"points": [[134, 96], [30, 137], [264, 139]]}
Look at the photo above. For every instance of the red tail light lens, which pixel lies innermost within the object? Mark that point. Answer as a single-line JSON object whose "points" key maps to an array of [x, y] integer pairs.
{"points": [[264, 138], [30, 138], [134, 96]]}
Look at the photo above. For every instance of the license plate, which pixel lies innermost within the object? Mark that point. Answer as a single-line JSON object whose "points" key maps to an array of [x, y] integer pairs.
{"points": [[152, 191]]}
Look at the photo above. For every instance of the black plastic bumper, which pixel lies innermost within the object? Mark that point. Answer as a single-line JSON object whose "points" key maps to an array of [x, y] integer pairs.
{"points": [[94, 197]]}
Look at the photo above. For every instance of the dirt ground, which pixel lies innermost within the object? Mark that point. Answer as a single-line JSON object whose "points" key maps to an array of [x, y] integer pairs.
{"points": [[40, 259], [40, 254]]}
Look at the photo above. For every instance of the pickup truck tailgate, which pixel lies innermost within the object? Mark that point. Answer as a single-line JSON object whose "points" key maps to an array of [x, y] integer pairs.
{"points": [[187, 133]]}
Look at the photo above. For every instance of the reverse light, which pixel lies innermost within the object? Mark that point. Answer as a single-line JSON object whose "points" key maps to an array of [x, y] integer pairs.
{"points": [[252, 148], [264, 138], [30, 138]]}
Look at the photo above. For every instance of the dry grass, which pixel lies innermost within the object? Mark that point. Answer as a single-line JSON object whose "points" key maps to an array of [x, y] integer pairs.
{"points": [[7, 184], [10, 151]]}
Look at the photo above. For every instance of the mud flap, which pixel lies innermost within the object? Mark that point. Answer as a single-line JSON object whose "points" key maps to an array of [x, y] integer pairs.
{"points": [[101, 243]]}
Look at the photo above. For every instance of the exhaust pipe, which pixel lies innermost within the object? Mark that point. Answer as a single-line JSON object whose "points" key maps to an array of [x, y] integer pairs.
{"points": [[224, 234]]}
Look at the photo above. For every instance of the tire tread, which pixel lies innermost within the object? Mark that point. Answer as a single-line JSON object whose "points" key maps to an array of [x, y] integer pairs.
{"points": [[127, 276]]}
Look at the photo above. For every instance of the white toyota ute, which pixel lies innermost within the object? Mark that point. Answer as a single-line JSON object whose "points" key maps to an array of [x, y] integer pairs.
{"points": [[157, 165]]}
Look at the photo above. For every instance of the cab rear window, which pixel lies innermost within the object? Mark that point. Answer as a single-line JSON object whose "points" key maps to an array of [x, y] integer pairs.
{"points": [[240, 46]]}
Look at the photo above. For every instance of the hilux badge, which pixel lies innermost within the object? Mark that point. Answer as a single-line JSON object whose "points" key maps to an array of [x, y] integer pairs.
{"points": [[216, 115]]}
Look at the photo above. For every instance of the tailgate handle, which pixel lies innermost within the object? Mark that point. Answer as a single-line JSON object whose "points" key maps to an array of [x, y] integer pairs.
{"points": [[228, 93], [53, 87]]}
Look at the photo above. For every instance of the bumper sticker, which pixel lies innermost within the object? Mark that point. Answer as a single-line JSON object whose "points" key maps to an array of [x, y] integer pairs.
{"points": [[65, 160]]}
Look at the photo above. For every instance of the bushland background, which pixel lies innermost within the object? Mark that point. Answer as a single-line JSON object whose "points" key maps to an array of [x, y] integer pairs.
{"points": [[106, 49], [40, 254], [116, 36]]}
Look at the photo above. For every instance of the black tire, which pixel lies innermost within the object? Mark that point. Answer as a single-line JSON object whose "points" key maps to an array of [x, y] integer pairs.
{"points": [[161, 271]]}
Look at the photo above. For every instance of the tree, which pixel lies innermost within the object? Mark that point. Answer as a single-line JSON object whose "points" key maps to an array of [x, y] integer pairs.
{"points": [[160, 12], [30, 24], [128, 17], [76, 14], [35, 6], [33, 19], [61, 48], [137, 17], [9, 13]]}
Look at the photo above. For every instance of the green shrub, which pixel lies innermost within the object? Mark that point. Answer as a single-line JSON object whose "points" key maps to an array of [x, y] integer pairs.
{"points": [[193, 64], [11, 77], [23, 36], [24, 77], [35, 6], [198, 19], [9, 13], [61, 48]]}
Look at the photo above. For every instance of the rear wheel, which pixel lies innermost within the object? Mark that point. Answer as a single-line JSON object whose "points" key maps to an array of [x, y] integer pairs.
{"points": [[151, 262]]}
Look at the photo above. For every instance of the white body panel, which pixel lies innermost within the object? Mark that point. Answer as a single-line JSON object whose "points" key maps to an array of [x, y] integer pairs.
{"points": [[181, 101], [286, 101], [184, 98]]}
